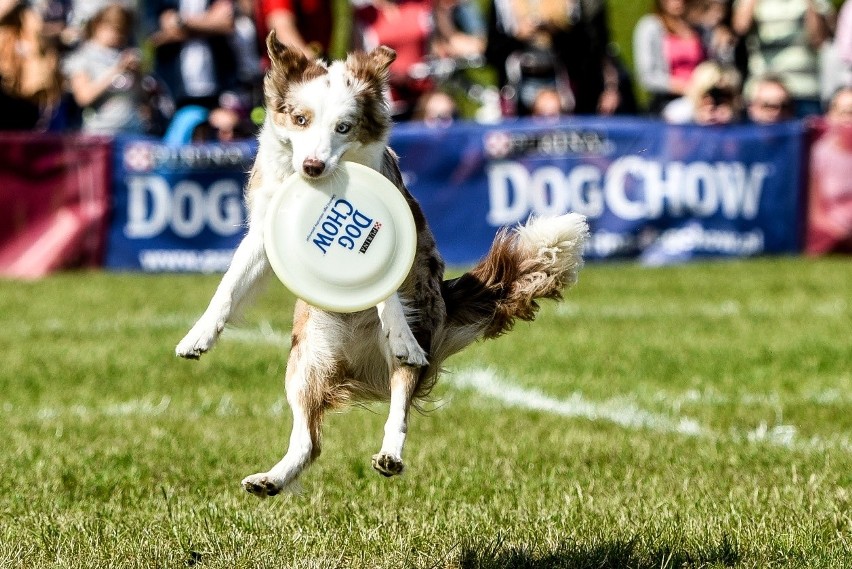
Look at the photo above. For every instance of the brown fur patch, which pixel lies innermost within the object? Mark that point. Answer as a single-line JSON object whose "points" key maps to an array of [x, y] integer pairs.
{"points": [[288, 66], [369, 72]]}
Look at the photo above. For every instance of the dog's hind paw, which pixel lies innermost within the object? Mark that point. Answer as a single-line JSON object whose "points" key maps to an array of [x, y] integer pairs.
{"points": [[387, 464], [409, 352], [262, 485]]}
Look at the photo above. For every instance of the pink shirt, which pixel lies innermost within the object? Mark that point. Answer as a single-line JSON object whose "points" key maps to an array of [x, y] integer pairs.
{"points": [[683, 54]]}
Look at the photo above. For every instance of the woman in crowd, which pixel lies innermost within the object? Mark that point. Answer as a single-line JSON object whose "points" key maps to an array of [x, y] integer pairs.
{"points": [[784, 38], [666, 49], [712, 97], [30, 85]]}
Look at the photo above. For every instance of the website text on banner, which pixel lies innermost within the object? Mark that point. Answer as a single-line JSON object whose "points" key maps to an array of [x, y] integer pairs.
{"points": [[54, 201], [660, 193]]}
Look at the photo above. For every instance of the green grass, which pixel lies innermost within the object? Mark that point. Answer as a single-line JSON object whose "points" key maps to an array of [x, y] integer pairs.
{"points": [[117, 454]]}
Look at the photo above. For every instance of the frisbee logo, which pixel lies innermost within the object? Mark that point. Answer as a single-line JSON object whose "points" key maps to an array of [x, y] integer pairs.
{"points": [[342, 223]]}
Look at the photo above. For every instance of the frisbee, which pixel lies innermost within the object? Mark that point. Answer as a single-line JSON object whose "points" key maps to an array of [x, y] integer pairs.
{"points": [[343, 242]]}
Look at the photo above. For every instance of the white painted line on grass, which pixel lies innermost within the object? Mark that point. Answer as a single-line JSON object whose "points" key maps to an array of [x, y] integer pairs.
{"points": [[625, 414]]}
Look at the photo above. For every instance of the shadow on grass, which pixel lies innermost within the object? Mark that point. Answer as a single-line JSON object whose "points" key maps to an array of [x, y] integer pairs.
{"points": [[616, 554]]}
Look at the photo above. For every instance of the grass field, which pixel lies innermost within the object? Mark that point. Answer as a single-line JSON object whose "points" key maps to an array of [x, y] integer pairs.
{"points": [[695, 416]]}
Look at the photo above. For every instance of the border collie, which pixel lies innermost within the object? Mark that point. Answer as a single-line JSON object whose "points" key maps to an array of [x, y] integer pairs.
{"points": [[317, 115]]}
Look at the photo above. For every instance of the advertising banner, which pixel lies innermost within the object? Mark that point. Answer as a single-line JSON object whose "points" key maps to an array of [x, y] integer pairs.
{"points": [[54, 201], [177, 208], [656, 192], [829, 227], [651, 191]]}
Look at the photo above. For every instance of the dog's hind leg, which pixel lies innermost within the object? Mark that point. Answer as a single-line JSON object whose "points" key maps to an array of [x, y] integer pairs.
{"points": [[388, 461], [305, 395], [403, 345], [247, 270]]}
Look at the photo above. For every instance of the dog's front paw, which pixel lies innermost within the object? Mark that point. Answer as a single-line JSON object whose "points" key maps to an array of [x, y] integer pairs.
{"points": [[199, 340], [262, 485], [388, 464], [406, 350]]}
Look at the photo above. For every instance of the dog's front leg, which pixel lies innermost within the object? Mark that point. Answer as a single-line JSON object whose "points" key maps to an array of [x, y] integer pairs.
{"points": [[403, 345], [247, 269], [388, 461]]}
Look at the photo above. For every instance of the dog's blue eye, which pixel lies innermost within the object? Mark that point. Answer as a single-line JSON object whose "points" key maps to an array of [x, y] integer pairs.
{"points": [[343, 128], [301, 120]]}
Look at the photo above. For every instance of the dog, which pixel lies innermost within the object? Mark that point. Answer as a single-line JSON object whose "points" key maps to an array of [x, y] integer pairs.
{"points": [[319, 114]]}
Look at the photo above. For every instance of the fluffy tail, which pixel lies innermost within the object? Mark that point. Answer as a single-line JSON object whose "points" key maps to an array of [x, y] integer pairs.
{"points": [[534, 261]]}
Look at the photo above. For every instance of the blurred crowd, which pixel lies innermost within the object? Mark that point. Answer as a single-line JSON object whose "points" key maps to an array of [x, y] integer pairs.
{"points": [[191, 70]]}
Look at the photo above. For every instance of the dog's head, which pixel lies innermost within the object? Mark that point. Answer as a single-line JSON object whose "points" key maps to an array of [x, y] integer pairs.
{"points": [[325, 110]]}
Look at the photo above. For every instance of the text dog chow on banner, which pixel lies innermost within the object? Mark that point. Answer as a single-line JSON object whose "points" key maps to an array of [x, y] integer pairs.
{"points": [[654, 191], [177, 208]]}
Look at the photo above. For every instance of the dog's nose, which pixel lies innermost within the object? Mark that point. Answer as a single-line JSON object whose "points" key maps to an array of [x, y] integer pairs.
{"points": [[313, 167]]}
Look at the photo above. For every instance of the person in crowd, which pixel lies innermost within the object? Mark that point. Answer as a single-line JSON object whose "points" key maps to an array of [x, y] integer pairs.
{"points": [[30, 83], [302, 24], [193, 54], [548, 105], [784, 38], [405, 26], [666, 49], [830, 192], [459, 29], [103, 74], [769, 101], [555, 45], [842, 49], [712, 20], [435, 109], [245, 42], [712, 97]]}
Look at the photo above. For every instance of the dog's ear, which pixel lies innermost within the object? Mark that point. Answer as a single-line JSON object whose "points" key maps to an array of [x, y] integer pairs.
{"points": [[287, 62], [370, 70], [382, 57]]}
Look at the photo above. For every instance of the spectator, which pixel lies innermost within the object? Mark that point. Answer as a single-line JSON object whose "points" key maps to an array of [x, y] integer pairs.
{"points": [[103, 74], [435, 109], [712, 97], [459, 29], [830, 192], [770, 101], [30, 84], [599, 82], [712, 20], [842, 50], [193, 54], [667, 49], [406, 27], [521, 40], [548, 104], [302, 24], [784, 38]]}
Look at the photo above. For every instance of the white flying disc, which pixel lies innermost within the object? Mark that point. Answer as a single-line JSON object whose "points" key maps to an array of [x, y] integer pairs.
{"points": [[343, 242]]}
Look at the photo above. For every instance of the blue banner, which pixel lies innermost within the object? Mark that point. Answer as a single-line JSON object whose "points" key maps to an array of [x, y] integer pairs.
{"points": [[651, 191], [177, 208]]}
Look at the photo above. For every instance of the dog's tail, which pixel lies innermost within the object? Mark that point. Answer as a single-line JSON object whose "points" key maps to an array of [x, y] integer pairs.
{"points": [[534, 261]]}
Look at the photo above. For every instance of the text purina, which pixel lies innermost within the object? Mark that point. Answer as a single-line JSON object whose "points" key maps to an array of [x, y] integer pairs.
{"points": [[343, 224]]}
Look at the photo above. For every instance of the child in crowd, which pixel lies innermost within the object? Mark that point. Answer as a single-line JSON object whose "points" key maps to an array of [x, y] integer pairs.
{"points": [[103, 74]]}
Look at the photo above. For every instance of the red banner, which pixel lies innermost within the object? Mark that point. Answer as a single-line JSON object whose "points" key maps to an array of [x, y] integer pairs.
{"points": [[829, 226], [54, 201]]}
